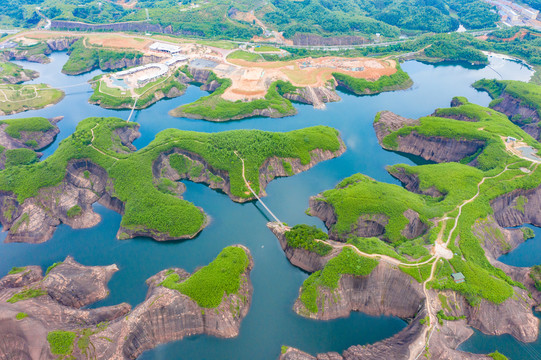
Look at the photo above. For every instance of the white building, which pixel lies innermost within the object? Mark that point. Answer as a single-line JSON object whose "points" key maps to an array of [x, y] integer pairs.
{"points": [[162, 70], [166, 48], [176, 59]]}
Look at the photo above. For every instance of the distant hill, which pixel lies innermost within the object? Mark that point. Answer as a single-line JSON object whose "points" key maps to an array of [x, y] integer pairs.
{"points": [[243, 19]]}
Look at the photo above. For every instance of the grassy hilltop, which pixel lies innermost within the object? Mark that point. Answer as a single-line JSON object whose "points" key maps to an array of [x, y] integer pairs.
{"points": [[496, 172], [131, 173]]}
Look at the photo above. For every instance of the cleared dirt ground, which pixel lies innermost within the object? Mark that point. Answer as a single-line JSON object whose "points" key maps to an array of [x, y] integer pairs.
{"points": [[250, 80]]}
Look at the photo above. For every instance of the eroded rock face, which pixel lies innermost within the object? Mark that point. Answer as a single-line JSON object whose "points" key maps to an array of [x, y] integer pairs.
{"points": [[386, 291], [61, 44], [529, 117], [165, 315], [42, 138], [35, 220], [390, 122], [306, 260], [412, 183], [316, 96], [438, 148], [125, 62], [75, 285], [136, 26], [433, 148], [270, 169], [26, 338], [518, 207], [368, 225], [168, 315]]}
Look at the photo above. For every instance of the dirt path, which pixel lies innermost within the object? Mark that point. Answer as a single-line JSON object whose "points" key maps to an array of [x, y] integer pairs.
{"points": [[98, 150]]}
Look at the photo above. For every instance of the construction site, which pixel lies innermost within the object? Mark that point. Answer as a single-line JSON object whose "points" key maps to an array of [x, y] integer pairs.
{"points": [[250, 79]]}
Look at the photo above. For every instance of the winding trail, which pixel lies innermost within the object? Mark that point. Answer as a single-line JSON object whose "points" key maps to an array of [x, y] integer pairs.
{"points": [[430, 311]]}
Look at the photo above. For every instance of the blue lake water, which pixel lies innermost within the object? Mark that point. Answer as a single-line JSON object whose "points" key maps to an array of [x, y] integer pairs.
{"points": [[271, 321]]}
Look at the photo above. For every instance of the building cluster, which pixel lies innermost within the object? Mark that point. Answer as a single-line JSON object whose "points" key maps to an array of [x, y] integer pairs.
{"points": [[513, 14], [165, 48], [154, 71], [148, 76]]}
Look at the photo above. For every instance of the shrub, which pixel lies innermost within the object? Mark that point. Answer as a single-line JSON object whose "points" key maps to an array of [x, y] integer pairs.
{"points": [[21, 315], [16, 270], [15, 157], [26, 294], [61, 342], [304, 237], [74, 211], [208, 284]]}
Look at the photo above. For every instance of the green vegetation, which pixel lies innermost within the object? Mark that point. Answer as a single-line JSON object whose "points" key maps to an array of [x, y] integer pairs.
{"points": [[441, 316], [284, 349], [265, 48], [360, 196], [115, 98], [346, 263], [83, 59], [32, 143], [214, 107], [133, 181], [287, 167], [419, 273], [244, 55], [304, 237], [16, 270], [497, 356], [453, 51], [19, 98], [527, 233], [493, 125], [26, 294], [74, 211], [14, 74], [374, 246], [397, 81], [52, 267], [22, 156], [21, 315], [535, 274], [61, 342], [528, 94], [208, 285]]}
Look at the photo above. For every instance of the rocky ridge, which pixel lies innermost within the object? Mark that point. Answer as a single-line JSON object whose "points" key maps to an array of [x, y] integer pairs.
{"points": [[382, 292], [114, 332], [316, 96], [433, 148], [51, 45], [272, 167], [528, 118]]}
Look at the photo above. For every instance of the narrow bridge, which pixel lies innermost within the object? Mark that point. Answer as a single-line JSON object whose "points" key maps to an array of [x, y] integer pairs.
{"points": [[253, 192], [132, 108]]}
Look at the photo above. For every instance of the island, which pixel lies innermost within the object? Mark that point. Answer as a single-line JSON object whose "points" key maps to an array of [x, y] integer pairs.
{"points": [[47, 315], [427, 251], [11, 73], [20, 139], [98, 163], [18, 98]]}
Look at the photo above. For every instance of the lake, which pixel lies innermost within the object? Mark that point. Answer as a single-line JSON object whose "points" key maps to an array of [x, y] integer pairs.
{"points": [[270, 322]]}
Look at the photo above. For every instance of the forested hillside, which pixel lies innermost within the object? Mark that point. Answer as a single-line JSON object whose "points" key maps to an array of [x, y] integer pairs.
{"points": [[218, 18]]}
